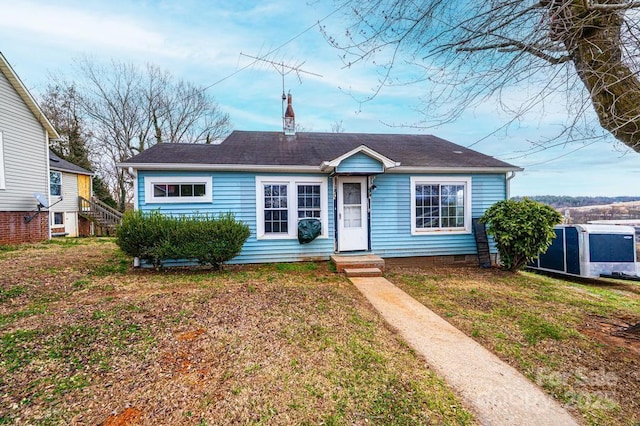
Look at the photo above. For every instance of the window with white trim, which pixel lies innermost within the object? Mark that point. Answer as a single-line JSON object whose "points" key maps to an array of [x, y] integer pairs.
{"points": [[58, 219], [2, 181], [178, 189], [282, 201], [276, 211], [55, 183], [440, 204]]}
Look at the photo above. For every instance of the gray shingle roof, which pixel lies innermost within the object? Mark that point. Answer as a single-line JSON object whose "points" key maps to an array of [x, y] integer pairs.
{"points": [[249, 148], [57, 163]]}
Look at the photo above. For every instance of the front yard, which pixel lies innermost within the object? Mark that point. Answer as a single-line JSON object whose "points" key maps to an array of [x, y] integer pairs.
{"points": [[85, 339]]}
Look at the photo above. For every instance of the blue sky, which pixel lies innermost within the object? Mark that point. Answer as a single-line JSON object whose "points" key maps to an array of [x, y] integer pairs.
{"points": [[201, 41]]}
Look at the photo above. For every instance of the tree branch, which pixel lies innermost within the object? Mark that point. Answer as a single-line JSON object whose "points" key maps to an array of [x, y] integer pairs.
{"points": [[612, 6], [519, 46]]}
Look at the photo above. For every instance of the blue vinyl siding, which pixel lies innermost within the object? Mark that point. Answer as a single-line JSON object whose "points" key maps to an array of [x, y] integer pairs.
{"points": [[486, 191], [235, 192], [360, 163], [391, 218]]}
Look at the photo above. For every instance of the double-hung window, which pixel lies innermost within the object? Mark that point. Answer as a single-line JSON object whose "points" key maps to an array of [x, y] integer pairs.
{"points": [[178, 189], [282, 201], [55, 183], [440, 204], [276, 208]]}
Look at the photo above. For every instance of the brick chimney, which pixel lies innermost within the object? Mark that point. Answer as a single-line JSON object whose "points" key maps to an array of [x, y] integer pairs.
{"points": [[289, 118]]}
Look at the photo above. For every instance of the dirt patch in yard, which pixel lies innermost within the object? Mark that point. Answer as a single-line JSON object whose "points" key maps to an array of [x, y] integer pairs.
{"points": [[613, 332], [128, 417]]}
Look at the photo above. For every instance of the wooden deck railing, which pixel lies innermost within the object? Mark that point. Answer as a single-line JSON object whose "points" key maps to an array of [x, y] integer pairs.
{"points": [[101, 213]]}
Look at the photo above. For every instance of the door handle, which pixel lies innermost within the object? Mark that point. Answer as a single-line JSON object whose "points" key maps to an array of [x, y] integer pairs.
{"points": [[339, 216]]}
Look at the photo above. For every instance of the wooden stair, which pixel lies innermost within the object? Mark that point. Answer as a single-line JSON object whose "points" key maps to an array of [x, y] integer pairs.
{"points": [[100, 213], [366, 265], [482, 243]]}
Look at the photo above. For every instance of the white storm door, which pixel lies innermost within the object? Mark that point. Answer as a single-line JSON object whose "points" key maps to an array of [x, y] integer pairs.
{"points": [[353, 229]]}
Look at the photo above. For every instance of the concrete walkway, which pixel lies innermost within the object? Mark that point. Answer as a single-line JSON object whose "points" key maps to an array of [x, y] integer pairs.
{"points": [[493, 390]]}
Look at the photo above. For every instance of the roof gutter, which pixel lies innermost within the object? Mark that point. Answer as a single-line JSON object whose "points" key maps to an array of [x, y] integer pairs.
{"points": [[219, 167], [305, 169], [413, 169]]}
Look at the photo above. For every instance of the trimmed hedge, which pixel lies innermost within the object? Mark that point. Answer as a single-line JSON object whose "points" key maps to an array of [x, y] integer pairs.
{"points": [[156, 238]]}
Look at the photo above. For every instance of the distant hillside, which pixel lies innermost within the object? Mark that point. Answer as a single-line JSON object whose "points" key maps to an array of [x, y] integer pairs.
{"points": [[563, 201]]}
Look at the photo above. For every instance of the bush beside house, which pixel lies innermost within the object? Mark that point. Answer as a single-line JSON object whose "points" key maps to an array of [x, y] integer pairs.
{"points": [[521, 229], [155, 238]]}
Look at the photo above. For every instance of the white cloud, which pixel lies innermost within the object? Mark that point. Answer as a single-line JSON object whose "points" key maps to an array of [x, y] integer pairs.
{"points": [[82, 29]]}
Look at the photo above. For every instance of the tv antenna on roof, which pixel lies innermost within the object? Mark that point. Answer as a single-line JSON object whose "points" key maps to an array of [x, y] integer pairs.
{"points": [[283, 70]]}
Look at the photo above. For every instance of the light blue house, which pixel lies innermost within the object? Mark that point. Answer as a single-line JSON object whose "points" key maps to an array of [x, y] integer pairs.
{"points": [[389, 195]]}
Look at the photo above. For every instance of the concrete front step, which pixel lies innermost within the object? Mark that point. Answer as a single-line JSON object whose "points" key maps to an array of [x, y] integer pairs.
{"points": [[343, 262], [362, 272]]}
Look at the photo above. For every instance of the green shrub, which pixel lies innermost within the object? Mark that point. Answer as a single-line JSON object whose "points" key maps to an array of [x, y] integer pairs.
{"points": [[521, 229], [155, 238]]}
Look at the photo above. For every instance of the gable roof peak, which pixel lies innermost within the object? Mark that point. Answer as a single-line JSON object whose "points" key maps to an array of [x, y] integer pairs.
{"points": [[386, 162]]}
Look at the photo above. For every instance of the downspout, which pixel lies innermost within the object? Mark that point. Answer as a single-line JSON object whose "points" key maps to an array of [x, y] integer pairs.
{"points": [[134, 174], [335, 211], [510, 175]]}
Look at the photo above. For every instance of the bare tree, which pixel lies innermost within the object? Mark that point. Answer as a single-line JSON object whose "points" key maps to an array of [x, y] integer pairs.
{"points": [[129, 109], [62, 105], [337, 127], [474, 51]]}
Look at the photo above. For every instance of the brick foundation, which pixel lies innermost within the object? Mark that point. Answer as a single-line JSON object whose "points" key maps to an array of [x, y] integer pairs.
{"points": [[15, 230]]}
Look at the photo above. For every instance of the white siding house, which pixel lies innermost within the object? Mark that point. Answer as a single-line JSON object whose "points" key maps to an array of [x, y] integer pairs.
{"points": [[67, 183], [24, 161]]}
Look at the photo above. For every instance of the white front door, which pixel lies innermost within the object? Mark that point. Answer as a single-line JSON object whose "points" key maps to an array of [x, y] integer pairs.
{"points": [[353, 228]]}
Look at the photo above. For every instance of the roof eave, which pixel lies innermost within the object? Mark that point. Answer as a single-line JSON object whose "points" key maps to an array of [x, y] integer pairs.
{"points": [[75, 172], [468, 169], [306, 169], [222, 167]]}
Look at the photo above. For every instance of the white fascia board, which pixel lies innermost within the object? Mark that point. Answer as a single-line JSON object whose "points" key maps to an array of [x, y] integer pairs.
{"points": [[404, 169], [221, 167], [324, 167], [386, 162]]}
